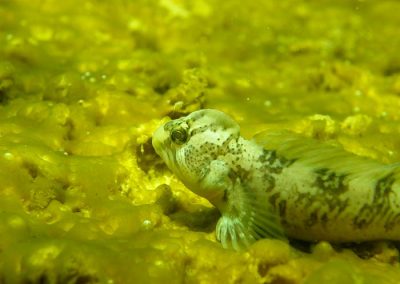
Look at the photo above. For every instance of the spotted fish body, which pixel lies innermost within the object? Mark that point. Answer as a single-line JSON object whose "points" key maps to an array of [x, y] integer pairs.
{"points": [[280, 184]]}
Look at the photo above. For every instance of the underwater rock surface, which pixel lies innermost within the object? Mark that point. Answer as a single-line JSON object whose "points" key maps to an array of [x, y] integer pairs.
{"points": [[83, 85]]}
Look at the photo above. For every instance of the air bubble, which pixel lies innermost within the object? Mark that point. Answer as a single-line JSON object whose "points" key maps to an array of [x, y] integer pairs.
{"points": [[8, 156]]}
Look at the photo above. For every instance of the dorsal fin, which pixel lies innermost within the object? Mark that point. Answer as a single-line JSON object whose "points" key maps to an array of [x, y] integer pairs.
{"points": [[314, 153]]}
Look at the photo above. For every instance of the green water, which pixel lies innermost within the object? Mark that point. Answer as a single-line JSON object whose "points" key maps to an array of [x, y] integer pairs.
{"points": [[83, 84]]}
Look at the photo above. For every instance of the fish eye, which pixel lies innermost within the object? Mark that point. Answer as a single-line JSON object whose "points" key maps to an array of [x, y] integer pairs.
{"points": [[179, 136]]}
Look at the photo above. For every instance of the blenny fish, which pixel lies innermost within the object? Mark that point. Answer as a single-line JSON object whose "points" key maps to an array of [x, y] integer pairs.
{"points": [[280, 184]]}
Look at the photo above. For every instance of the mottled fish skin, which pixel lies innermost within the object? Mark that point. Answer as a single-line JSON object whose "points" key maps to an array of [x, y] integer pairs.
{"points": [[314, 192]]}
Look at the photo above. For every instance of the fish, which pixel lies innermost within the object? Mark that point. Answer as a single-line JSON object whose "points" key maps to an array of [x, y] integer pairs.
{"points": [[280, 184]]}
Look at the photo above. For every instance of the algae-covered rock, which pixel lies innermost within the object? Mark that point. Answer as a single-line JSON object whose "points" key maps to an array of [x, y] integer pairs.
{"points": [[83, 85]]}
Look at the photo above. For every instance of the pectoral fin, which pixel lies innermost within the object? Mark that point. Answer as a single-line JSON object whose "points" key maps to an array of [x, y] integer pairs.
{"points": [[247, 218], [246, 212]]}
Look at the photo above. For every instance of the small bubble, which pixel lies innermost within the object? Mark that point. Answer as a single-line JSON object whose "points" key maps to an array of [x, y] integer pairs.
{"points": [[8, 156], [86, 75], [147, 224], [159, 262], [267, 103], [280, 85], [16, 222], [134, 24]]}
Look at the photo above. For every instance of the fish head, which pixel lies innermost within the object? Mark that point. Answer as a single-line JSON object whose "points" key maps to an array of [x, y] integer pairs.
{"points": [[198, 149], [189, 144]]}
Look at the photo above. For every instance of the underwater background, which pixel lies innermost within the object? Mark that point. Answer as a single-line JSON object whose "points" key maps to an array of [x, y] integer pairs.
{"points": [[83, 85]]}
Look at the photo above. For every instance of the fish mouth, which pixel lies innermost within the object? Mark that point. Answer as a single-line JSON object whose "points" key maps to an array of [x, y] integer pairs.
{"points": [[160, 140], [162, 144]]}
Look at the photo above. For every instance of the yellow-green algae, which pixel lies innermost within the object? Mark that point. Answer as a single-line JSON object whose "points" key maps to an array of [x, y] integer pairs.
{"points": [[83, 84]]}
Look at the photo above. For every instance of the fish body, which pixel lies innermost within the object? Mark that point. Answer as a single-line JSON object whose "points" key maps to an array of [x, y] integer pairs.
{"points": [[280, 184]]}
